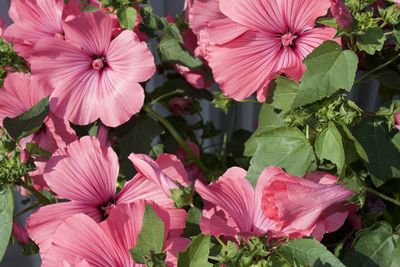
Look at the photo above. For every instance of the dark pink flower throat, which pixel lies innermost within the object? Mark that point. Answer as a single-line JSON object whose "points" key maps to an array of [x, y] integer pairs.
{"points": [[288, 39], [99, 63]]}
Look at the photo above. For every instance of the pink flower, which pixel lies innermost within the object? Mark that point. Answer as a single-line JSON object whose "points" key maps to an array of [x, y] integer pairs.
{"points": [[20, 93], [2, 27], [86, 172], [192, 170], [202, 12], [397, 120], [33, 20], [301, 207], [80, 241], [341, 13], [94, 76], [260, 39], [233, 207], [20, 233], [179, 106]]}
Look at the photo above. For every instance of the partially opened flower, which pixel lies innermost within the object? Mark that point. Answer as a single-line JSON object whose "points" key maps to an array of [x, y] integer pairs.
{"points": [[397, 120], [33, 20], [86, 172], [20, 93], [94, 76], [341, 13], [260, 39], [233, 207], [303, 207], [81, 240]]}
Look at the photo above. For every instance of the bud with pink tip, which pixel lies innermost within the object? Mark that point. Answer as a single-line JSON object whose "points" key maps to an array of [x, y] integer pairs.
{"points": [[341, 13]]}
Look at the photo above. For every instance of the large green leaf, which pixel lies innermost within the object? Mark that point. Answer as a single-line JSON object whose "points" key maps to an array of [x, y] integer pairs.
{"points": [[284, 147], [127, 17], [285, 93], [307, 252], [328, 70], [6, 218], [329, 145], [171, 50], [151, 237], [29, 121], [383, 154], [196, 255], [372, 40], [373, 247], [268, 120]]}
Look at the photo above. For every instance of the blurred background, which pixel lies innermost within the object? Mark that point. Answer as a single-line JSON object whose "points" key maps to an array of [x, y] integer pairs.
{"points": [[244, 116]]}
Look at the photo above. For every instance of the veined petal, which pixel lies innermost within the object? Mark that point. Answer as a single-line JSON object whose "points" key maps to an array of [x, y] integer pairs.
{"points": [[91, 31], [224, 30], [234, 194], [173, 246], [173, 168], [42, 225], [246, 64], [215, 221], [203, 12], [83, 171], [261, 15], [311, 39]]}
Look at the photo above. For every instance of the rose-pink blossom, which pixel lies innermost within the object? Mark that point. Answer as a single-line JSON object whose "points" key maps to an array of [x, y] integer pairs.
{"points": [[301, 207], [397, 120], [20, 233], [81, 241], [179, 106], [89, 173], [2, 27], [259, 39], [341, 13], [93, 75]]}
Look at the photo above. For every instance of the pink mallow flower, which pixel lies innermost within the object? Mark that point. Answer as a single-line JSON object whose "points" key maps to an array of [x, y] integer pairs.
{"points": [[313, 206], [2, 27], [341, 13], [233, 208], [94, 76], [81, 241], [20, 93], [19, 233], [33, 20], [397, 120], [260, 39], [179, 106], [85, 172], [193, 171]]}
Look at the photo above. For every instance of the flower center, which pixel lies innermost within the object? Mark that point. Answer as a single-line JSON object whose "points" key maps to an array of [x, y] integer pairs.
{"points": [[98, 63], [106, 208], [288, 39], [59, 36]]}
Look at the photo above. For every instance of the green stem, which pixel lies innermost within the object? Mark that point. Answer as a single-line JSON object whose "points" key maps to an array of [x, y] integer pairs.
{"points": [[158, 99], [182, 143], [385, 197], [40, 197], [365, 75], [27, 209]]}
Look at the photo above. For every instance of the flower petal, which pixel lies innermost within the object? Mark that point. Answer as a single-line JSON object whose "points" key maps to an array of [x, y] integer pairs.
{"points": [[173, 168], [83, 171], [198, 18], [42, 225]]}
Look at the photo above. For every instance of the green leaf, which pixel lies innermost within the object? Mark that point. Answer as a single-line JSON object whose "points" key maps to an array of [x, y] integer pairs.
{"points": [[90, 9], [151, 237], [352, 146], [285, 93], [192, 227], [196, 255], [383, 154], [29, 121], [267, 120], [35, 150], [328, 70], [329, 145], [6, 218], [171, 50], [127, 17], [307, 252], [372, 40], [284, 147], [373, 247]]}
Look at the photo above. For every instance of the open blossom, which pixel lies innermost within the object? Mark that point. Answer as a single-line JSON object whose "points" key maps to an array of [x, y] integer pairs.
{"points": [[81, 241], [341, 13], [94, 76], [311, 206], [280, 205], [20, 93], [85, 172], [260, 39], [33, 20], [397, 120]]}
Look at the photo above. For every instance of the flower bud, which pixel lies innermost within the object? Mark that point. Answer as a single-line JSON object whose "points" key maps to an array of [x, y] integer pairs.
{"points": [[179, 106], [20, 233], [397, 120], [24, 157], [341, 13]]}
